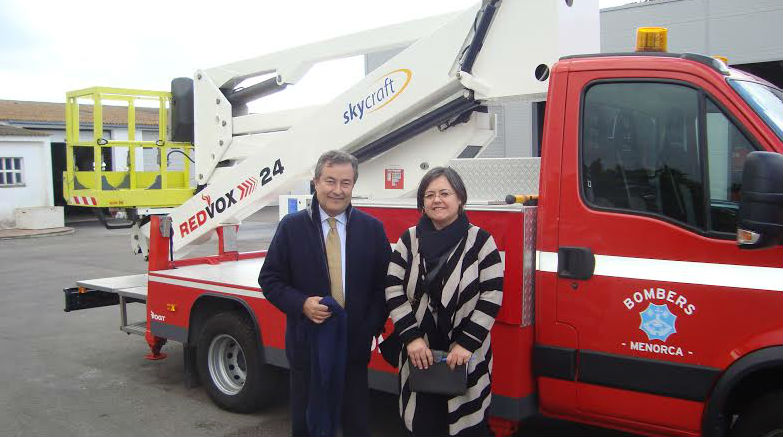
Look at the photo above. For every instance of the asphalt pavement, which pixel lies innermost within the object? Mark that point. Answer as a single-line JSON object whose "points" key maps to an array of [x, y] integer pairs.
{"points": [[77, 374]]}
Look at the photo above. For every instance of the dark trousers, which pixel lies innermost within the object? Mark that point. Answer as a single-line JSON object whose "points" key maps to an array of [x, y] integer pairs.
{"points": [[356, 401], [432, 418], [432, 415]]}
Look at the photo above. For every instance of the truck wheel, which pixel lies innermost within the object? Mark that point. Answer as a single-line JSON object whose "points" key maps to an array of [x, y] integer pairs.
{"points": [[761, 418], [229, 364]]}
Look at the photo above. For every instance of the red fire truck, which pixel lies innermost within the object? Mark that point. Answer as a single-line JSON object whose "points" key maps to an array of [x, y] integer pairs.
{"points": [[631, 299]]}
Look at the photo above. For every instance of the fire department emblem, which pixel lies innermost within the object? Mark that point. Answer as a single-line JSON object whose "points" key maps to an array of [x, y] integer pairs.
{"points": [[657, 322]]}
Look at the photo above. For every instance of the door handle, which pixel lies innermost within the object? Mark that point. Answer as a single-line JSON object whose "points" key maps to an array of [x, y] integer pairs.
{"points": [[575, 262]]}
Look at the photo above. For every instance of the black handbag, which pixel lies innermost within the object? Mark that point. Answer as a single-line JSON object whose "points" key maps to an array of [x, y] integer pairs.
{"points": [[439, 378]]}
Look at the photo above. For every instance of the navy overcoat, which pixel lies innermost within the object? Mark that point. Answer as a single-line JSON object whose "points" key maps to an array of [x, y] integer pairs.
{"points": [[295, 268]]}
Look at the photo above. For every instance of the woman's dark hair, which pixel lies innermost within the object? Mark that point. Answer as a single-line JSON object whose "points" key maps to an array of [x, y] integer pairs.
{"points": [[454, 180]]}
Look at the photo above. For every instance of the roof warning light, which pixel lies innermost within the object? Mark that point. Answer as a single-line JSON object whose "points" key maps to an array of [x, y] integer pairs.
{"points": [[723, 59], [651, 39]]}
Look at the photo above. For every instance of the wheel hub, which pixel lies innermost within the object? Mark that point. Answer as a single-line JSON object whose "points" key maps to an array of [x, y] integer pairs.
{"points": [[227, 365]]}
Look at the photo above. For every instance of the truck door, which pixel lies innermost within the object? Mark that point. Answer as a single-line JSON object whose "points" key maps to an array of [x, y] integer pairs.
{"points": [[649, 273]]}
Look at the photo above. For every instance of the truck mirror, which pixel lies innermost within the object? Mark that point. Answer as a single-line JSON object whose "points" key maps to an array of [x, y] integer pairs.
{"points": [[761, 201]]}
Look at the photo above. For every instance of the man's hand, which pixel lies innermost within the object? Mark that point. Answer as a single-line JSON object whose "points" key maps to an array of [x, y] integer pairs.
{"points": [[314, 311], [419, 353], [457, 356]]}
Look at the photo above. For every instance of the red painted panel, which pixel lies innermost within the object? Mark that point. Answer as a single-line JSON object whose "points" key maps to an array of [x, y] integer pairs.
{"points": [[159, 247], [271, 321], [507, 230], [651, 413], [551, 157], [717, 332], [679, 418], [159, 295], [512, 347], [556, 397]]}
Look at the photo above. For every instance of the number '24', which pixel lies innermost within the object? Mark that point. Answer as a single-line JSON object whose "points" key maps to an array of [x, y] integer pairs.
{"points": [[267, 174]]}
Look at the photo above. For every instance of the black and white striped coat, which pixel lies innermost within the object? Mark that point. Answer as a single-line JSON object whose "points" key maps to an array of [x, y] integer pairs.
{"points": [[476, 283]]}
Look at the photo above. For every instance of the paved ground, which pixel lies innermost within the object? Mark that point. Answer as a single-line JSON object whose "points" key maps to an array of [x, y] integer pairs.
{"points": [[33, 233], [77, 374]]}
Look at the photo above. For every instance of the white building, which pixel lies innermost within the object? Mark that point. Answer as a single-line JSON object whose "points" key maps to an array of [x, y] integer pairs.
{"points": [[25, 171], [48, 120]]}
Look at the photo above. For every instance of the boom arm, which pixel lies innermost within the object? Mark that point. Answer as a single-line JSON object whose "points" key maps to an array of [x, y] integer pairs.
{"points": [[425, 84], [287, 67]]}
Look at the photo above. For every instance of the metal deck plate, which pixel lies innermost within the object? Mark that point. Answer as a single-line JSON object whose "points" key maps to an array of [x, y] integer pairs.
{"points": [[135, 292], [494, 178], [243, 273], [130, 286]]}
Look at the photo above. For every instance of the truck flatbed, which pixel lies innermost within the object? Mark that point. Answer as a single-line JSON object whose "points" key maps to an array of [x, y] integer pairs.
{"points": [[236, 277], [239, 275], [133, 286]]}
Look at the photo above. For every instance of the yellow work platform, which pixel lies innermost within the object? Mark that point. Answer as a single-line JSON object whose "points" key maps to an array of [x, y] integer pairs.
{"points": [[97, 186]]}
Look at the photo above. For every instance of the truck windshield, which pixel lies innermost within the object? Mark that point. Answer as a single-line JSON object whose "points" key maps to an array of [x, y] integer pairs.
{"points": [[765, 100]]}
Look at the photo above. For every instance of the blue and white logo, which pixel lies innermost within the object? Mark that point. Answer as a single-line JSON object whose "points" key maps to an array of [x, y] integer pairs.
{"points": [[657, 322]]}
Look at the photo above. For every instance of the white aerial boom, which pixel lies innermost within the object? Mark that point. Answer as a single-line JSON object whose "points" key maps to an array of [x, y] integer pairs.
{"points": [[418, 110]]}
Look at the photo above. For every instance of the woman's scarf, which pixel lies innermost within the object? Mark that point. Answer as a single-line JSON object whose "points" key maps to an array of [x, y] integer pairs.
{"points": [[434, 249], [433, 243]]}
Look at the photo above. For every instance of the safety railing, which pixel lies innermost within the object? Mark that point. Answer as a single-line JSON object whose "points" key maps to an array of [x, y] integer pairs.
{"points": [[92, 182]]}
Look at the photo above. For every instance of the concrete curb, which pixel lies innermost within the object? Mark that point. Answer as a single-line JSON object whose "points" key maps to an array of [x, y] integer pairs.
{"points": [[12, 234]]}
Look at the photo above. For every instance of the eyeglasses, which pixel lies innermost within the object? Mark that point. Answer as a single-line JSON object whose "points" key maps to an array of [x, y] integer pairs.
{"points": [[443, 194]]}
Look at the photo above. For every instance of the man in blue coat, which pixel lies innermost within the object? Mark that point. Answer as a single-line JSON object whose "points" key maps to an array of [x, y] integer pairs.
{"points": [[329, 249]]}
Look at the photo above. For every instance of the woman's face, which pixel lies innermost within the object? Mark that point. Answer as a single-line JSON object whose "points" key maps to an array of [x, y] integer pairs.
{"points": [[441, 203]]}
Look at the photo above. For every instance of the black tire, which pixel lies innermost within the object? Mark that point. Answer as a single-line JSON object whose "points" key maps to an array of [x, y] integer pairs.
{"points": [[230, 364], [763, 417]]}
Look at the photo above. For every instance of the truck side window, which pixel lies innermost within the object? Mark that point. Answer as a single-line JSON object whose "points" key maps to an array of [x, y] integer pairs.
{"points": [[640, 150], [727, 148]]}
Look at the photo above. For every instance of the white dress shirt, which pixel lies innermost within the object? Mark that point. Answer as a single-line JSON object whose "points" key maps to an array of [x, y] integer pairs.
{"points": [[341, 221]]}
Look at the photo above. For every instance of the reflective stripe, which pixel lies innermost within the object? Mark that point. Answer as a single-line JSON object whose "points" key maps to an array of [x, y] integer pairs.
{"points": [[686, 272], [546, 261], [203, 286]]}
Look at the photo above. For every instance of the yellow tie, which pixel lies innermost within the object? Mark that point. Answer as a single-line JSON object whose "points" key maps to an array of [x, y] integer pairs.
{"points": [[334, 259]]}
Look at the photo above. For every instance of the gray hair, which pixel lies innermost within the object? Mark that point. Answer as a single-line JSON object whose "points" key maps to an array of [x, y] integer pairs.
{"points": [[333, 157]]}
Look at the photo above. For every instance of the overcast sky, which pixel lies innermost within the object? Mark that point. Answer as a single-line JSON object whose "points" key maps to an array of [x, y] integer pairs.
{"points": [[50, 47]]}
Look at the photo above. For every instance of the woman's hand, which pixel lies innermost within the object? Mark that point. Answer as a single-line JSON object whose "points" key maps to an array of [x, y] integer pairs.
{"points": [[419, 353], [457, 356]]}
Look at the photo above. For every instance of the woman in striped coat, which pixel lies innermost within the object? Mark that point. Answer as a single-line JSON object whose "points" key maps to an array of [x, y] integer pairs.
{"points": [[444, 289]]}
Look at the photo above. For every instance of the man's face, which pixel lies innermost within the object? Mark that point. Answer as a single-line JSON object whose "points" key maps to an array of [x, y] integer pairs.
{"points": [[333, 189]]}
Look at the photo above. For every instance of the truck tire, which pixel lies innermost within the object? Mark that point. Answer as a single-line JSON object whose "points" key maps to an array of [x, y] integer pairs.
{"points": [[761, 418], [230, 364]]}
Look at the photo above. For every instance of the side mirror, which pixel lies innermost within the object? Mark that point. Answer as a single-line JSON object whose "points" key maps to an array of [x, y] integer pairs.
{"points": [[761, 201]]}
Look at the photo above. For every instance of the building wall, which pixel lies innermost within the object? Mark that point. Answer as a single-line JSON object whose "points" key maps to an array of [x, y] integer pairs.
{"points": [[514, 123], [743, 31], [176, 161], [37, 176]]}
